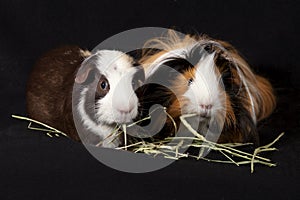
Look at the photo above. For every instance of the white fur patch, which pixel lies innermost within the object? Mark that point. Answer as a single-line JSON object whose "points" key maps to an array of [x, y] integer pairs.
{"points": [[205, 88], [176, 53], [120, 104]]}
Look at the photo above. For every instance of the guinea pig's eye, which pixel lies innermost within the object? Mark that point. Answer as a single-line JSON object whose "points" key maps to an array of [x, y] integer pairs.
{"points": [[190, 81], [102, 87]]}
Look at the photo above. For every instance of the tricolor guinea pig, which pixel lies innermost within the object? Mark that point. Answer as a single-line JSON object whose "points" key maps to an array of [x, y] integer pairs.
{"points": [[76, 91], [214, 82]]}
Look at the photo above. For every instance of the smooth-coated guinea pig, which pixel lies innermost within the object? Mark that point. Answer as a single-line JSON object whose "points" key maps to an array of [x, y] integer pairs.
{"points": [[76, 91], [215, 82]]}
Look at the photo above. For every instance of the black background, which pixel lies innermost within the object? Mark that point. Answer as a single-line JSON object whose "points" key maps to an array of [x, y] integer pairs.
{"points": [[34, 166]]}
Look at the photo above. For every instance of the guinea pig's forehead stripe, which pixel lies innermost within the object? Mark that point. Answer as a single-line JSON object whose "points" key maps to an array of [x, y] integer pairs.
{"points": [[196, 54]]}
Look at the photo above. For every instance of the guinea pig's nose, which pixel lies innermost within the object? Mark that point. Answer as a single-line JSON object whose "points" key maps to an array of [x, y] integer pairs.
{"points": [[205, 110], [206, 107], [125, 109]]}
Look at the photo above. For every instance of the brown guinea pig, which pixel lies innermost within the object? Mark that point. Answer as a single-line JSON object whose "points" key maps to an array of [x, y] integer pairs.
{"points": [[215, 83], [71, 89]]}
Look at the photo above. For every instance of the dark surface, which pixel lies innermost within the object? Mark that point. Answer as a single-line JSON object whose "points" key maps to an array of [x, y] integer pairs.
{"points": [[34, 166]]}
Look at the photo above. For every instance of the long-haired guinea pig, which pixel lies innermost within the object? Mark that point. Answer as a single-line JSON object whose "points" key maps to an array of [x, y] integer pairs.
{"points": [[99, 87], [215, 81]]}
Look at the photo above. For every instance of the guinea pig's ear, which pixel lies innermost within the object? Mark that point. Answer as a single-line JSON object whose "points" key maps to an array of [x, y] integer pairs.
{"points": [[85, 73]]}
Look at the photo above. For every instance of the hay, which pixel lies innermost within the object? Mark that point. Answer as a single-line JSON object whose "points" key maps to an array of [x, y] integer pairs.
{"points": [[171, 150]]}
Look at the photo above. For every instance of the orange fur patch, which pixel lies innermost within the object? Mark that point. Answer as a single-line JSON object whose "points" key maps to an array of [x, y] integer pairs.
{"points": [[252, 85]]}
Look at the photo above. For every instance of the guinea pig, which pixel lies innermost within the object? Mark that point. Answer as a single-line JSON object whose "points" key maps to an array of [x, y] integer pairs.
{"points": [[216, 82], [76, 91]]}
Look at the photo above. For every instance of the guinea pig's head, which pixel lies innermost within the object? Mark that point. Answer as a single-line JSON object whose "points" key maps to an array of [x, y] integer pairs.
{"points": [[198, 86], [203, 92], [109, 79], [220, 84]]}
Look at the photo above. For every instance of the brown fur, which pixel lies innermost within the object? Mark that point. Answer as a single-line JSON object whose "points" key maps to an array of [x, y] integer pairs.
{"points": [[266, 101], [259, 87], [50, 85]]}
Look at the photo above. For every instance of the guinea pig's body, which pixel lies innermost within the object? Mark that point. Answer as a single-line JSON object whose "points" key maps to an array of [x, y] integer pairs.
{"points": [[73, 90], [215, 83], [50, 85]]}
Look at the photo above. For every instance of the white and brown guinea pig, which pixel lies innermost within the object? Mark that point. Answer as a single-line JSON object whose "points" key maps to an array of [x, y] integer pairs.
{"points": [[100, 88], [216, 82]]}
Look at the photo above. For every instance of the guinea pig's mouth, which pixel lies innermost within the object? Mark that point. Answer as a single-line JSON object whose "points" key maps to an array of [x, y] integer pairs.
{"points": [[202, 114], [204, 117], [125, 117]]}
